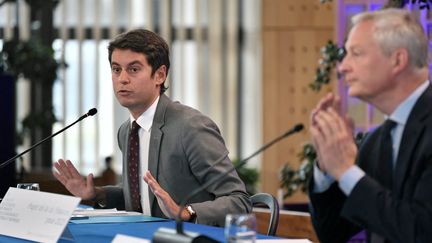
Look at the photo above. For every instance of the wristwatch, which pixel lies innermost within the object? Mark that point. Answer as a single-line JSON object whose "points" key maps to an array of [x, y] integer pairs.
{"points": [[191, 212]]}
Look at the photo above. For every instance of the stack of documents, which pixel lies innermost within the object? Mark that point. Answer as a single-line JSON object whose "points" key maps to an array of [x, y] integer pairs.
{"points": [[90, 212], [95, 216]]}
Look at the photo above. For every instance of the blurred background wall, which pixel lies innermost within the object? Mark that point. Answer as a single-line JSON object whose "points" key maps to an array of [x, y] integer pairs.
{"points": [[247, 64]]}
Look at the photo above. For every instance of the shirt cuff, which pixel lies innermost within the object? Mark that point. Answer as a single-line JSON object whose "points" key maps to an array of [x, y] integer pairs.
{"points": [[322, 181], [350, 178]]}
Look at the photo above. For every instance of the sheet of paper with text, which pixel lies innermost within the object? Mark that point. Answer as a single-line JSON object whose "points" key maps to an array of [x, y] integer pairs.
{"points": [[34, 215]]}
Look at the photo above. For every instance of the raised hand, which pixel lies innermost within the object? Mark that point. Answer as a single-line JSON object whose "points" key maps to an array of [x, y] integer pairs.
{"points": [[334, 142], [329, 102], [79, 186], [166, 203]]}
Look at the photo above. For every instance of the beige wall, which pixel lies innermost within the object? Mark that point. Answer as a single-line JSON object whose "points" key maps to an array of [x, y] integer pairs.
{"points": [[293, 33]]}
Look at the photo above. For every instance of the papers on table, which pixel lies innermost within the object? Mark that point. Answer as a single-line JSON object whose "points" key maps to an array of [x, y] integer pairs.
{"points": [[284, 241], [116, 219], [98, 216], [90, 212], [119, 238]]}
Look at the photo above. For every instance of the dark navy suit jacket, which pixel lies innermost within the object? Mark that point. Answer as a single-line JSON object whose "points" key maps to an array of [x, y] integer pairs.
{"points": [[402, 213]]}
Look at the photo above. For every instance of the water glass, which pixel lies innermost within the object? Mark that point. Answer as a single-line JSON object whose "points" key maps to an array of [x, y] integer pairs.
{"points": [[29, 186], [240, 228]]}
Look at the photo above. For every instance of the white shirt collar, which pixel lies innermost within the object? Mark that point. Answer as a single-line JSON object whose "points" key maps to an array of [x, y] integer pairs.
{"points": [[145, 120], [402, 112]]}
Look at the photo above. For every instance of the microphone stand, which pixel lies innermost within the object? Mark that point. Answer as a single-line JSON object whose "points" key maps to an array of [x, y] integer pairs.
{"points": [[91, 112], [165, 235]]}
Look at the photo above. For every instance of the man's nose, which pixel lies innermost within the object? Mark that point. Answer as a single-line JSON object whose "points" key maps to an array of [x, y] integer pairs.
{"points": [[123, 76], [343, 66]]}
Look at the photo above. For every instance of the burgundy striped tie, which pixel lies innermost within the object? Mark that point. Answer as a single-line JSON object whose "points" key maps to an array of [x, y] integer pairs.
{"points": [[133, 163]]}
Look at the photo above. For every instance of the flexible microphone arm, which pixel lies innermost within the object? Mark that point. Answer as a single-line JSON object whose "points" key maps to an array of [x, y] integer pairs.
{"points": [[91, 112], [163, 235]]}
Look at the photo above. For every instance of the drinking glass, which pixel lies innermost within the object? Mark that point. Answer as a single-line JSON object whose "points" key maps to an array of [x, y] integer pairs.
{"points": [[240, 228], [29, 186]]}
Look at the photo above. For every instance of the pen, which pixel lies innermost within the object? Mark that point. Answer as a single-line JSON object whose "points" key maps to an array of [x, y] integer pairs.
{"points": [[77, 217]]}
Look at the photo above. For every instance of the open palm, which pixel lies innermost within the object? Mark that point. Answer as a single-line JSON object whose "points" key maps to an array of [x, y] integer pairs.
{"points": [[79, 186]]}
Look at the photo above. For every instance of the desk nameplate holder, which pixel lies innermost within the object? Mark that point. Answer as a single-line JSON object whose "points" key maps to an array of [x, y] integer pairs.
{"points": [[34, 215]]}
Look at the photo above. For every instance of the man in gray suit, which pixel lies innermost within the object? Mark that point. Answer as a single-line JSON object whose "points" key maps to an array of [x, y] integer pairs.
{"points": [[177, 148]]}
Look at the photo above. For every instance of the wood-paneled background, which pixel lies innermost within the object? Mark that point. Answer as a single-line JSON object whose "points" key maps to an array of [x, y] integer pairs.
{"points": [[293, 32]]}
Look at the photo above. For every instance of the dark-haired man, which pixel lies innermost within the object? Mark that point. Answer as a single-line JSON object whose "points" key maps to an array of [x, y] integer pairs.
{"points": [[169, 149]]}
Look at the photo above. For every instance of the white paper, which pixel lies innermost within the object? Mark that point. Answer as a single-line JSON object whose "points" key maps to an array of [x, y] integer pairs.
{"points": [[34, 215], [284, 241], [90, 212], [119, 238]]}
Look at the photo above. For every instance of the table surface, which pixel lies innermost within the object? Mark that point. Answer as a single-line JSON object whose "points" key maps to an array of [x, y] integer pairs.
{"points": [[105, 232]]}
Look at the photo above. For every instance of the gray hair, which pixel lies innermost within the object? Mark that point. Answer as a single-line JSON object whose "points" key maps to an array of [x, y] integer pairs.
{"points": [[398, 28]]}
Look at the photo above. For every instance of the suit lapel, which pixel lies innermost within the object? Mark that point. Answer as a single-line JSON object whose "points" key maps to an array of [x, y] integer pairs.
{"points": [[411, 135], [123, 140], [156, 140]]}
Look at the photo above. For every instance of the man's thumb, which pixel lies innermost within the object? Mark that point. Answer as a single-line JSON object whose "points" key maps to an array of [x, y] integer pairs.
{"points": [[89, 181]]}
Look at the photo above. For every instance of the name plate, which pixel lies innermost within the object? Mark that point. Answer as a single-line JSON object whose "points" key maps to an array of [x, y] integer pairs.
{"points": [[34, 215]]}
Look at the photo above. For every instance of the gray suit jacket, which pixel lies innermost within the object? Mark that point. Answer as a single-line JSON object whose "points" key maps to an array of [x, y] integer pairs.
{"points": [[183, 147]]}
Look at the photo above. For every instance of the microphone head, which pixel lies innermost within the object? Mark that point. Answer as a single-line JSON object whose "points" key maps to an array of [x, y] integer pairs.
{"points": [[298, 127], [92, 112]]}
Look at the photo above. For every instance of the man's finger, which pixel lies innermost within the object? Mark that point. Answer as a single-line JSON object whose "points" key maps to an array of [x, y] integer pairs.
{"points": [[59, 177], [337, 105], [89, 181], [62, 169], [151, 182], [148, 177], [72, 170], [323, 125], [317, 136], [338, 122]]}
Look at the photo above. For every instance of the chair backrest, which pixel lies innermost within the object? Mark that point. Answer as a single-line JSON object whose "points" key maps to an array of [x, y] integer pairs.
{"points": [[273, 205]]}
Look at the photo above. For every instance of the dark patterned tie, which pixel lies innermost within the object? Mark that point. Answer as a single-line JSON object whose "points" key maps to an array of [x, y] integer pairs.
{"points": [[386, 153], [133, 163]]}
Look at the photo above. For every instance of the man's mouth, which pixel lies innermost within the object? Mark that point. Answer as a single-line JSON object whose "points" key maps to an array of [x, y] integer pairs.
{"points": [[349, 81], [124, 92]]}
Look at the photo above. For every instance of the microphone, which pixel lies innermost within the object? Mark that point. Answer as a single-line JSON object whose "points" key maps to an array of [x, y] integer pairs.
{"points": [[167, 235], [91, 112]]}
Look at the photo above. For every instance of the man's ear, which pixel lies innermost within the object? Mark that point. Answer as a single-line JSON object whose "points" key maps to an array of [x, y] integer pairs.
{"points": [[160, 75], [400, 60]]}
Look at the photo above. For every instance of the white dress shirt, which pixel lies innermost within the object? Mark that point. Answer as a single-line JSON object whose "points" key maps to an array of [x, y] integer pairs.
{"points": [[145, 121]]}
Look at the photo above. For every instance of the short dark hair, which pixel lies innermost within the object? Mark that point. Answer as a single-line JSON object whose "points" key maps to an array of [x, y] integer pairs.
{"points": [[154, 48]]}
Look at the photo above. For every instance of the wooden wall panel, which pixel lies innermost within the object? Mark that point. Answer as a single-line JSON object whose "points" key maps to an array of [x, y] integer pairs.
{"points": [[292, 13], [293, 34], [294, 225], [324, 15]]}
